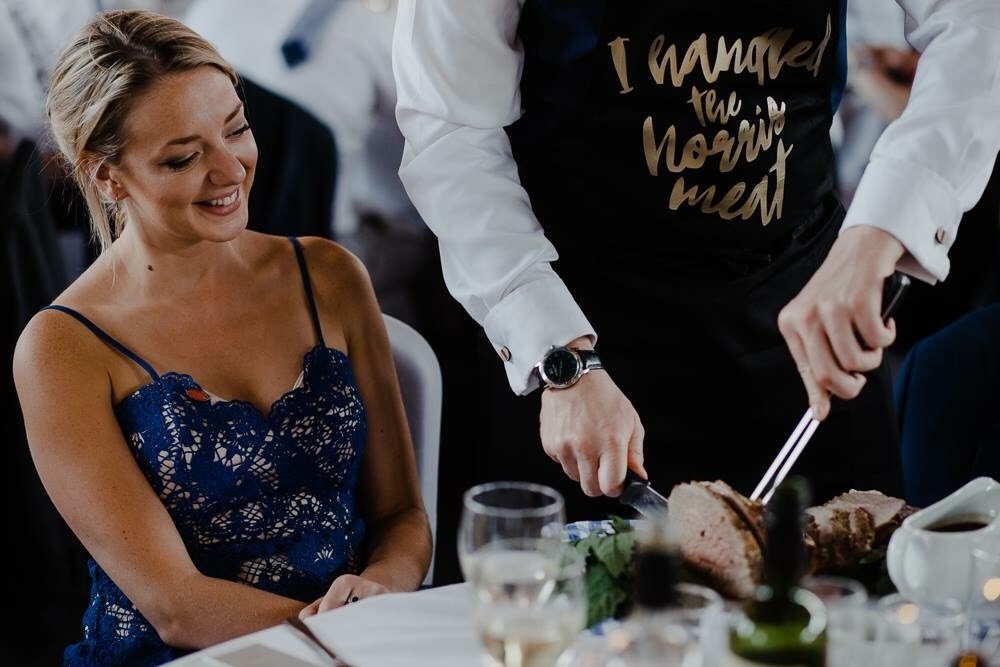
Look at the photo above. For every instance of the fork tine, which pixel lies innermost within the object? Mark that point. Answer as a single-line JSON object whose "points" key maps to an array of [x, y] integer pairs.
{"points": [[766, 479], [793, 457]]}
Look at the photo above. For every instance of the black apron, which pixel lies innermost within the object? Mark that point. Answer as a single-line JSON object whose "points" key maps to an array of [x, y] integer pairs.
{"points": [[677, 154]]}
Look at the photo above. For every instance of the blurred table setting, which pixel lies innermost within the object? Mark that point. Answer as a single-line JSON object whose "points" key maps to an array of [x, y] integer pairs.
{"points": [[541, 592]]}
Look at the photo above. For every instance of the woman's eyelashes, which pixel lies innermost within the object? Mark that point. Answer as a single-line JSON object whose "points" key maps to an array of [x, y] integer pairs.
{"points": [[177, 165]]}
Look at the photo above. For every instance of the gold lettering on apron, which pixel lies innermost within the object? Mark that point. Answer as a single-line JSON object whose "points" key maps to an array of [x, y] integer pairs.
{"points": [[620, 60], [756, 201], [814, 68], [707, 110], [764, 55], [750, 140]]}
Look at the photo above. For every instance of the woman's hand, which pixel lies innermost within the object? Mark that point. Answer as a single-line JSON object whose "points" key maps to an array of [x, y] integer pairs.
{"points": [[834, 327], [345, 589]]}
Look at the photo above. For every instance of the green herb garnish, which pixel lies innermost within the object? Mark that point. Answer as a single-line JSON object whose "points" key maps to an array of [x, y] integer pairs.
{"points": [[609, 570]]}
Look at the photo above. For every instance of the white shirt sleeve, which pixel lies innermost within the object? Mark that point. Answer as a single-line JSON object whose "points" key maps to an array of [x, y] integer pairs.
{"points": [[933, 163], [458, 70]]}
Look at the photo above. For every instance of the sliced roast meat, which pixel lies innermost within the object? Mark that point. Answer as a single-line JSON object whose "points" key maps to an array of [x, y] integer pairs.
{"points": [[715, 540], [885, 511], [842, 535], [751, 511], [721, 532]]}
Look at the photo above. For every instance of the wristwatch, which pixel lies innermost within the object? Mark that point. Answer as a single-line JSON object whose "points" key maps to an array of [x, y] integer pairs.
{"points": [[562, 367]]}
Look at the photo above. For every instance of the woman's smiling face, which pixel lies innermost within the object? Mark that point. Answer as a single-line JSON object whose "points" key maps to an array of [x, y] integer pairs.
{"points": [[189, 158]]}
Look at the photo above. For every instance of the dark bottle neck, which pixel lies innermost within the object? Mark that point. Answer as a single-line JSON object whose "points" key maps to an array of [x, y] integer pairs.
{"points": [[655, 580], [784, 551]]}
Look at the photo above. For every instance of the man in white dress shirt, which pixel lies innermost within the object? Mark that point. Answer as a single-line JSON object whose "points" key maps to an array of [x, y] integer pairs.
{"points": [[675, 159]]}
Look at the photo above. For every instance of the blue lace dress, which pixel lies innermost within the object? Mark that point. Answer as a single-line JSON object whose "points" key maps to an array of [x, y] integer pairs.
{"points": [[267, 500]]}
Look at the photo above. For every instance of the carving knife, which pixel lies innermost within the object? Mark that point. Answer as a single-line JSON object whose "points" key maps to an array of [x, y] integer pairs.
{"points": [[642, 497]]}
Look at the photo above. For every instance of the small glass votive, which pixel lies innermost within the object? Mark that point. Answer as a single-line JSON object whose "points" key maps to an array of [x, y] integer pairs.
{"points": [[699, 610], [860, 645], [915, 636], [836, 592], [847, 627], [984, 602]]}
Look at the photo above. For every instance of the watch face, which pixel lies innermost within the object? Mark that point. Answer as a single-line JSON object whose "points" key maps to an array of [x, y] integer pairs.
{"points": [[560, 366]]}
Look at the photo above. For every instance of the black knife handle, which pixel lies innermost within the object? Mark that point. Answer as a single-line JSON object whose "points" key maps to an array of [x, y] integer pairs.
{"points": [[633, 483], [633, 478], [892, 292]]}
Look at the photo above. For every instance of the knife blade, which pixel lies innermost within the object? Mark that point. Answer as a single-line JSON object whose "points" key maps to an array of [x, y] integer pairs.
{"points": [[642, 497]]}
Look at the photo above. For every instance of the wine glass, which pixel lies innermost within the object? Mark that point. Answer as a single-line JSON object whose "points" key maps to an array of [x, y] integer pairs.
{"points": [[531, 600], [504, 511]]}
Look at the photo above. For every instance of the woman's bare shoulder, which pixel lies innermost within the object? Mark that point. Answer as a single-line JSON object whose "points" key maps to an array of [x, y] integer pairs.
{"points": [[56, 342], [332, 266], [56, 349]]}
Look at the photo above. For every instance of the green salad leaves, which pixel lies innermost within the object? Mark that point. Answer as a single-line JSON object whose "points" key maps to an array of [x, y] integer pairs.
{"points": [[609, 570]]}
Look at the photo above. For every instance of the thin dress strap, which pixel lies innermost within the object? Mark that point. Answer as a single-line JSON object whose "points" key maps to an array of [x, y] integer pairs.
{"points": [[304, 269], [100, 333]]}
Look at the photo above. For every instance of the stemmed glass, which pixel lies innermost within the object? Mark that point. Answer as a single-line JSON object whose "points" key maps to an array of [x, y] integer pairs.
{"points": [[528, 582], [502, 511]]}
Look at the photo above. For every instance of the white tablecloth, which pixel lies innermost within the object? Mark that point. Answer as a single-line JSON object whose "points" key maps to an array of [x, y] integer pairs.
{"points": [[432, 628]]}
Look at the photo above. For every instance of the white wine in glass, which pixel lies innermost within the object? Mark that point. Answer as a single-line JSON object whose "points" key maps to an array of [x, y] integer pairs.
{"points": [[530, 601]]}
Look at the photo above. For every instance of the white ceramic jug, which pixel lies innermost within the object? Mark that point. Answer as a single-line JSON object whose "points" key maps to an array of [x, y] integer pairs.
{"points": [[929, 555]]}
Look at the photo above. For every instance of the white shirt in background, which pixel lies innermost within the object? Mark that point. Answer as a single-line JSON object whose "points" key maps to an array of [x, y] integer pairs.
{"points": [[346, 82]]}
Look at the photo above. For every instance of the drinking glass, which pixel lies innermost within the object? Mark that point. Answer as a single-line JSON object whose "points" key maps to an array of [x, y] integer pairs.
{"points": [[501, 511], [699, 611], [691, 633], [916, 636], [983, 608], [862, 644], [531, 600], [846, 627]]}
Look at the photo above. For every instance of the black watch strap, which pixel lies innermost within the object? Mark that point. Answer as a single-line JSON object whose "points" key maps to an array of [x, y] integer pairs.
{"points": [[590, 360]]}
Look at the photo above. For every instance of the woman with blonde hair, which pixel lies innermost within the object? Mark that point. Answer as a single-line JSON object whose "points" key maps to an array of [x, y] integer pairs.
{"points": [[208, 516]]}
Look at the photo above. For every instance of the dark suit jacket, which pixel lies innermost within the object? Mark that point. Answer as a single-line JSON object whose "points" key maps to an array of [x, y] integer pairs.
{"points": [[45, 579], [293, 188], [948, 401]]}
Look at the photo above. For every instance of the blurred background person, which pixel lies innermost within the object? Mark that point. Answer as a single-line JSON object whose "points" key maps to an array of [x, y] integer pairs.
{"points": [[45, 581], [334, 58]]}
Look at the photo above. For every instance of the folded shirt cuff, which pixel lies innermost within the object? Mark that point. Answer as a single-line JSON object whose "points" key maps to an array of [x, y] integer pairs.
{"points": [[916, 206], [530, 320]]}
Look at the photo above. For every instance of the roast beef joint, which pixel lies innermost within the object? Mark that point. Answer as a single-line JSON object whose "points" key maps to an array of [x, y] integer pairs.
{"points": [[720, 532]]}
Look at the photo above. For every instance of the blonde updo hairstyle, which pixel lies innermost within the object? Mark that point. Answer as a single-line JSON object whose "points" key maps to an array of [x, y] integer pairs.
{"points": [[108, 65]]}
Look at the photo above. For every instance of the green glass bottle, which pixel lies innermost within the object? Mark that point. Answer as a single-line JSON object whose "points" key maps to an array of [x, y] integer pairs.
{"points": [[782, 624]]}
